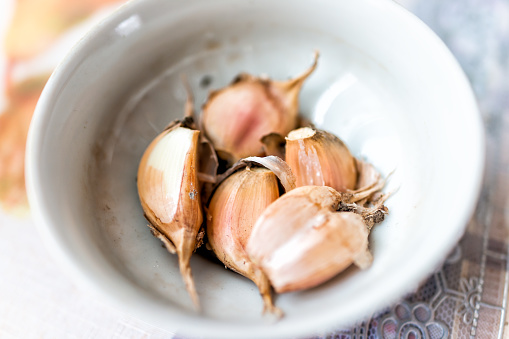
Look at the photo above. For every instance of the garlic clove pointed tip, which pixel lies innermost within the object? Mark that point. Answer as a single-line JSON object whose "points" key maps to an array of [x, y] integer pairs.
{"points": [[297, 82], [273, 310], [189, 107], [185, 271]]}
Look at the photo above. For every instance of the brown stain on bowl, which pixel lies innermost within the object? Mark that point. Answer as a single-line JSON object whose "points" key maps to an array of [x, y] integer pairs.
{"points": [[212, 45]]}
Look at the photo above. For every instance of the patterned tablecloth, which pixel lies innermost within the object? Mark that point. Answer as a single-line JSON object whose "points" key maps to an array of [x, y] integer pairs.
{"points": [[465, 298]]}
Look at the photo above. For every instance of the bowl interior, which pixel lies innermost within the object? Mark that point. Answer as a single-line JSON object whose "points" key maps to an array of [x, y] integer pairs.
{"points": [[394, 95]]}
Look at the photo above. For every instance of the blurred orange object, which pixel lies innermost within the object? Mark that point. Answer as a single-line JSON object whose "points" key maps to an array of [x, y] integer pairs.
{"points": [[14, 123], [37, 23]]}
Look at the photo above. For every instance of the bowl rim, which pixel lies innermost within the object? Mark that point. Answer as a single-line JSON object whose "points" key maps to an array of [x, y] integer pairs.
{"points": [[213, 328]]}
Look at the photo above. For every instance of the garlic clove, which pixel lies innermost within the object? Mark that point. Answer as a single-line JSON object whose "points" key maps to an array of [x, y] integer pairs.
{"points": [[317, 157], [236, 117], [368, 175], [300, 241], [232, 212], [169, 192]]}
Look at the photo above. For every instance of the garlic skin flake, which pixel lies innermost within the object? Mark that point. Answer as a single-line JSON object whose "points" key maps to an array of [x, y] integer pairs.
{"points": [[169, 192], [300, 241], [237, 117], [317, 157], [233, 210]]}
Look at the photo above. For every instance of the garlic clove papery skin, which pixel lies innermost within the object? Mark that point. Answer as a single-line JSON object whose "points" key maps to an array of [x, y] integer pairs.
{"points": [[318, 253], [300, 241], [169, 192], [236, 117], [320, 158], [233, 210], [274, 144]]}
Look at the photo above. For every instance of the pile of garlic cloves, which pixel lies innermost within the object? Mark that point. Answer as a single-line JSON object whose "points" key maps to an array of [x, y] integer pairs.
{"points": [[290, 208]]}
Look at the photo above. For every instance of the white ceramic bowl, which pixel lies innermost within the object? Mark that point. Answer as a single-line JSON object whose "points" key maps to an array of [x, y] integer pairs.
{"points": [[385, 84]]}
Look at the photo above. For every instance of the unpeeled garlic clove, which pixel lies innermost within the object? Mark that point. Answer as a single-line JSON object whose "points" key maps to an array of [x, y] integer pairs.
{"points": [[235, 118], [300, 241], [245, 190], [169, 192], [232, 212], [317, 157], [368, 175]]}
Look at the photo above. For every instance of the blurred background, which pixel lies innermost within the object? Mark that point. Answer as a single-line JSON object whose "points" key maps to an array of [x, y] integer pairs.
{"points": [[37, 299]]}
